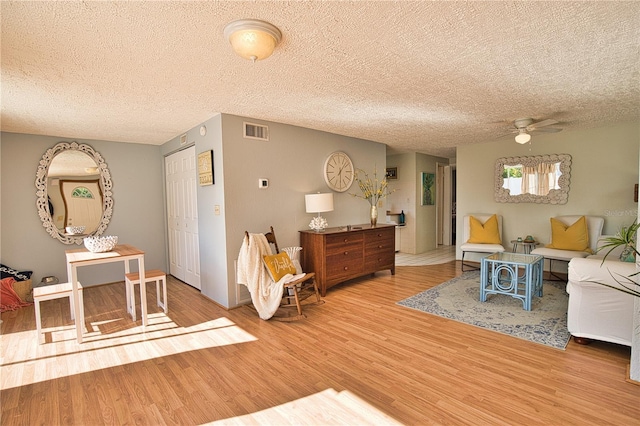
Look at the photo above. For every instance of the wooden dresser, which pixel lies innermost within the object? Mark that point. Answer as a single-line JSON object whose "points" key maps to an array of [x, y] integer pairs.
{"points": [[337, 255]]}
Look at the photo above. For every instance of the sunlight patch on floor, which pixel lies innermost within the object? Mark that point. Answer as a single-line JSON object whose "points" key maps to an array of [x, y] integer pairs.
{"points": [[327, 407], [106, 344]]}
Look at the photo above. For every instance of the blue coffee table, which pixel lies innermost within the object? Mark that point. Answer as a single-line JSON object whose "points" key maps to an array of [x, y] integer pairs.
{"points": [[514, 274]]}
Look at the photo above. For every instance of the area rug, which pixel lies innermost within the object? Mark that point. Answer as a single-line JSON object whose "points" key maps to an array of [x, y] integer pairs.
{"points": [[459, 300]]}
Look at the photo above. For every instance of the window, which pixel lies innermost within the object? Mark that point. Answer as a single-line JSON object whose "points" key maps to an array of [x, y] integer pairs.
{"points": [[81, 192]]}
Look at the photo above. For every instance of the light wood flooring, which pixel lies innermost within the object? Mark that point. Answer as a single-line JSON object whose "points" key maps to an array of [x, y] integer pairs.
{"points": [[202, 364]]}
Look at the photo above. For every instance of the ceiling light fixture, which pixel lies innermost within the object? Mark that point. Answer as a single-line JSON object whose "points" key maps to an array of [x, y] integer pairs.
{"points": [[523, 137], [252, 39]]}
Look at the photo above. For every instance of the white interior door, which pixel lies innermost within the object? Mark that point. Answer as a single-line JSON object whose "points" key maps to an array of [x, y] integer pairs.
{"points": [[182, 211], [83, 203]]}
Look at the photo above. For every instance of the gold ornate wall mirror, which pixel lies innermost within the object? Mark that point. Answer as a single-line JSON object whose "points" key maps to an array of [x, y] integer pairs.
{"points": [[74, 192], [542, 179]]}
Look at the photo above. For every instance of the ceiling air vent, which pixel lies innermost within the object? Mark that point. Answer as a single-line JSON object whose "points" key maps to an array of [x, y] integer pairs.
{"points": [[256, 131]]}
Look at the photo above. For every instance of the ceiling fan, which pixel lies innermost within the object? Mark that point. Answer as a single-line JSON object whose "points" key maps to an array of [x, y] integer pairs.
{"points": [[524, 126]]}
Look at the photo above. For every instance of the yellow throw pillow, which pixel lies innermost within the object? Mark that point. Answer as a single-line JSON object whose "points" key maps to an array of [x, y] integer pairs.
{"points": [[484, 233], [279, 265], [570, 237]]}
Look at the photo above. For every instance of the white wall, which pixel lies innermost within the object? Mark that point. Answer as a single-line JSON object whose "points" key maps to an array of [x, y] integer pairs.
{"points": [[404, 198], [603, 173], [138, 215]]}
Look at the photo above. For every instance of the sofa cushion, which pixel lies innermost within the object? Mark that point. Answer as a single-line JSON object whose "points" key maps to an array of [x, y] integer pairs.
{"points": [[594, 270], [555, 254], [484, 233], [573, 237]]}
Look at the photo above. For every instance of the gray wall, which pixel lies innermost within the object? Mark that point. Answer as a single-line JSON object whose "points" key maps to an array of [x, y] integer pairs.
{"points": [[603, 174], [138, 212], [292, 161]]}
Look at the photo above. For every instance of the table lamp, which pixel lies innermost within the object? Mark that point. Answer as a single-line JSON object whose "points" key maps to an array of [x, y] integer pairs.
{"points": [[318, 203]]}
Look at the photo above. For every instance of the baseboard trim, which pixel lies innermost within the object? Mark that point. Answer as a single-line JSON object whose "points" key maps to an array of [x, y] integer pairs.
{"points": [[628, 378]]}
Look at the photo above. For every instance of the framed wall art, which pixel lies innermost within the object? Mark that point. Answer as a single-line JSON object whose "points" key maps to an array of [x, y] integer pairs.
{"points": [[392, 173], [205, 168], [428, 189]]}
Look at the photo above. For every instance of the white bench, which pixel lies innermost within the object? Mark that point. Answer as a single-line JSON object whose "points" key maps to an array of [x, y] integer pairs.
{"points": [[51, 292], [133, 278]]}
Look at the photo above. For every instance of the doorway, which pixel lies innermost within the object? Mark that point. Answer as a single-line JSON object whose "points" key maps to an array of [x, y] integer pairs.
{"points": [[446, 204], [182, 216]]}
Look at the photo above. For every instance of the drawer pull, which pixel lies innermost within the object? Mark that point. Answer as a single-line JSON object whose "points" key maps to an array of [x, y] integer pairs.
{"points": [[346, 268], [346, 253], [346, 240], [379, 235], [380, 246]]}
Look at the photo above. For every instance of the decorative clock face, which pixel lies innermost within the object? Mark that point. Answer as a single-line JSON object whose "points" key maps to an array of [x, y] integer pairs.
{"points": [[339, 171]]}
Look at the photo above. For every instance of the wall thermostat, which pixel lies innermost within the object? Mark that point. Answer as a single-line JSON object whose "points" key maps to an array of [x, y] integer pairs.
{"points": [[263, 183]]}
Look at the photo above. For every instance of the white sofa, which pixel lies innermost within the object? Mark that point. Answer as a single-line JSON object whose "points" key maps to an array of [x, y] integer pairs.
{"points": [[596, 311]]}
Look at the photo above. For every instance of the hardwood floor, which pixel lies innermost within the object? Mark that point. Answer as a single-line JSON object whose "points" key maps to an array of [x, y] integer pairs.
{"points": [[201, 364]]}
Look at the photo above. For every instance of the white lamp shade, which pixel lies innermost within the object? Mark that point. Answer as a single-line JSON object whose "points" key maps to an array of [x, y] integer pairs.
{"points": [[523, 137], [318, 203]]}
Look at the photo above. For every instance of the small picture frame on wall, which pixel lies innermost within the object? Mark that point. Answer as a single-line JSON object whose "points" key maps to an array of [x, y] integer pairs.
{"points": [[205, 168], [392, 173]]}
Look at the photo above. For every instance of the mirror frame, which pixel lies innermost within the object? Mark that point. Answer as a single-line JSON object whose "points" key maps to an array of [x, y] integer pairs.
{"points": [[555, 196], [42, 192]]}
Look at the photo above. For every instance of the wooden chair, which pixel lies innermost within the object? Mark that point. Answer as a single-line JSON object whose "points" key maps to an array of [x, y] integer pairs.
{"points": [[295, 291]]}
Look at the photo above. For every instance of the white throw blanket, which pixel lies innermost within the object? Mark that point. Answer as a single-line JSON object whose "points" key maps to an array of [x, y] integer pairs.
{"points": [[266, 294]]}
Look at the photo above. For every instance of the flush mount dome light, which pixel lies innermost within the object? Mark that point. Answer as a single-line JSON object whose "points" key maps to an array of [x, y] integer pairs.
{"points": [[523, 137], [252, 39]]}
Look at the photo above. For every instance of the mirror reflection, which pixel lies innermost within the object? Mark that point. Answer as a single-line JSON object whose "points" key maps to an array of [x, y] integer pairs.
{"points": [[536, 179], [74, 192]]}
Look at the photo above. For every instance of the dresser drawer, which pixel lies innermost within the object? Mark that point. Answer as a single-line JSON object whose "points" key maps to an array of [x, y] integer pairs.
{"points": [[342, 240], [379, 244], [345, 263], [380, 260]]}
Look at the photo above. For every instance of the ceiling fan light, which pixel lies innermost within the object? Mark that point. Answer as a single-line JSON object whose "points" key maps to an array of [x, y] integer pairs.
{"points": [[523, 137], [253, 39]]}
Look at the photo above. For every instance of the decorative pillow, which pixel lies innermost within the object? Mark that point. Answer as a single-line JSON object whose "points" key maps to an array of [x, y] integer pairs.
{"points": [[24, 289], [279, 265], [570, 237], [484, 233], [6, 271]]}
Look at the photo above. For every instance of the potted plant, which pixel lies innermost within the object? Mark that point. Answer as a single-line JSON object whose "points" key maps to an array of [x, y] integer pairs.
{"points": [[625, 237]]}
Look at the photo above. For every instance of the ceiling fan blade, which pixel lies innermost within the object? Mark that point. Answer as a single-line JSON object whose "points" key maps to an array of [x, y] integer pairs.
{"points": [[542, 123], [547, 130]]}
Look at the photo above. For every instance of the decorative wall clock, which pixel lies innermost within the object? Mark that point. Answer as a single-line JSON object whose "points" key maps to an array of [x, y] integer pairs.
{"points": [[338, 171]]}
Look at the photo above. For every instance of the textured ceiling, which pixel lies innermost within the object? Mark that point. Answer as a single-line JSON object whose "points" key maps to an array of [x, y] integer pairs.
{"points": [[417, 76]]}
